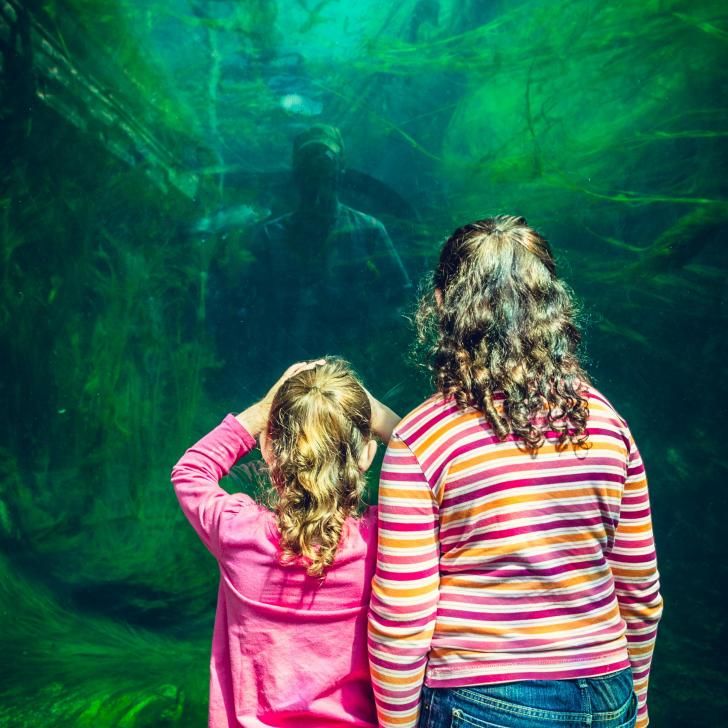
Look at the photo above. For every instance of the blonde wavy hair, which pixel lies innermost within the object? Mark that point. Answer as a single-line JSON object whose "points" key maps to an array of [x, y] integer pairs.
{"points": [[319, 426]]}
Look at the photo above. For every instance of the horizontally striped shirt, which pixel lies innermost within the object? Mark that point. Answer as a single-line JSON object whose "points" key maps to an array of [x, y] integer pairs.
{"points": [[496, 566]]}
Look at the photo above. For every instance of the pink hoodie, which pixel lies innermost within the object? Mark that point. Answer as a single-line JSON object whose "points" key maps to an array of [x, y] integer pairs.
{"points": [[287, 649]]}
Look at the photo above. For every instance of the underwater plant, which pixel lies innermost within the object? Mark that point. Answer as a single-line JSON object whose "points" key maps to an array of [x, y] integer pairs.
{"points": [[141, 144]]}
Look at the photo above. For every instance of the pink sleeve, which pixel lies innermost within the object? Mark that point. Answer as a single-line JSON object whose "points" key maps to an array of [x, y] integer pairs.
{"points": [[197, 474]]}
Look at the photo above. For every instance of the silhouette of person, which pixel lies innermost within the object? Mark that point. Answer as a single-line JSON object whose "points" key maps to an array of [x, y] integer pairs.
{"points": [[324, 278], [326, 258]]}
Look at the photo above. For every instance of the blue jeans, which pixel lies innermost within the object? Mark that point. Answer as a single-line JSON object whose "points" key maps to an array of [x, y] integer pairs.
{"points": [[599, 702]]}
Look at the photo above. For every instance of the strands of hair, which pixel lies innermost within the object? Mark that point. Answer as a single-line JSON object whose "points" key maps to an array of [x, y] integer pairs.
{"points": [[319, 425], [502, 337]]}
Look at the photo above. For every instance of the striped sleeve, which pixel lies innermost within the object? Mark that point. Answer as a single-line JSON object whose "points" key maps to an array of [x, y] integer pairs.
{"points": [[634, 567], [404, 589]]}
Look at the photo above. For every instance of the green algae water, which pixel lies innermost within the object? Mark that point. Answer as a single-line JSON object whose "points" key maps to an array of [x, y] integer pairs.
{"points": [[145, 145]]}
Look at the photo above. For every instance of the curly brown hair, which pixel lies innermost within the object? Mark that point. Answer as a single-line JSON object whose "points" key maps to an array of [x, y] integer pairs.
{"points": [[319, 425], [498, 320]]}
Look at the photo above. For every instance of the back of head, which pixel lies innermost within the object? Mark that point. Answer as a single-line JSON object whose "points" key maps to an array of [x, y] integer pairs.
{"points": [[319, 425], [318, 138], [503, 323]]}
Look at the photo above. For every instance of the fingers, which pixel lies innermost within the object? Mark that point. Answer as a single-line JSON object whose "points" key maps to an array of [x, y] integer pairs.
{"points": [[302, 366], [292, 370]]}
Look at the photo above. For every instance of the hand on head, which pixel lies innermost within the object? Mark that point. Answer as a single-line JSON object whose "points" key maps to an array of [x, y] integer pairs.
{"points": [[292, 370], [255, 417]]}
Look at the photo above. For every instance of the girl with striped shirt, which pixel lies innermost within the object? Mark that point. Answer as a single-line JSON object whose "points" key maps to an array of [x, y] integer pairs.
{"points": [[516, 574]]}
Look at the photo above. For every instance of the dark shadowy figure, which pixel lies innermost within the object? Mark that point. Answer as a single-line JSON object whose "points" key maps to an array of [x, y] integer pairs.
{"points": [[322, 278], [327, 264]]}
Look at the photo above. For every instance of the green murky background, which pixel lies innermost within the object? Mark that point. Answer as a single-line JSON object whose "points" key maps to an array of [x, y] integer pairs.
{"points": [[125, 125]]}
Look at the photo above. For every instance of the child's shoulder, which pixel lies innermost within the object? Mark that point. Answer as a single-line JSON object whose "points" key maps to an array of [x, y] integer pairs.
{"points": [[363, 526], [600, 405], [425, 416], [368, 519]]}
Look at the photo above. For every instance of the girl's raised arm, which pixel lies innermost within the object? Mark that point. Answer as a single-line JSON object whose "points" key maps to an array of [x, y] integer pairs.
{"points": [[197, 474], [384, 420]]}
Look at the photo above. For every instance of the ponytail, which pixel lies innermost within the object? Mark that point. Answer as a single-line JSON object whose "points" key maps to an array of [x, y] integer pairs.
{"points": [[319, 426]]}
